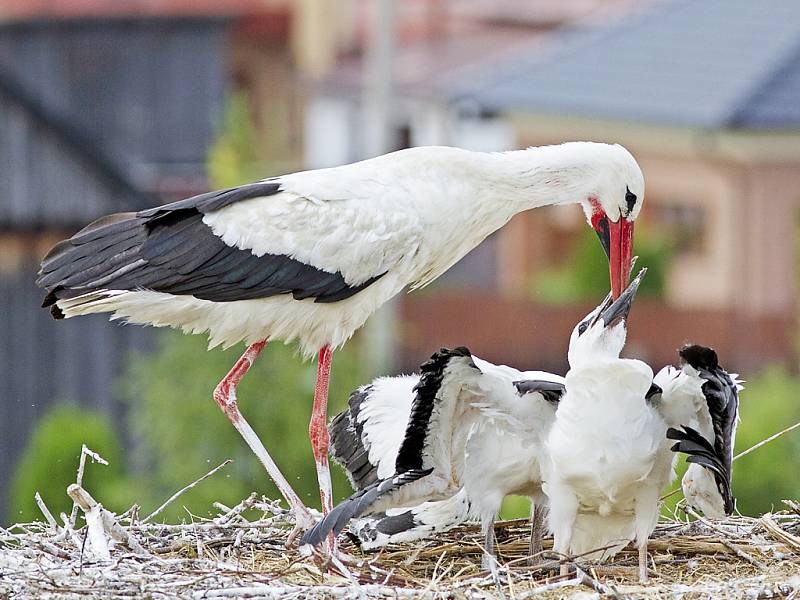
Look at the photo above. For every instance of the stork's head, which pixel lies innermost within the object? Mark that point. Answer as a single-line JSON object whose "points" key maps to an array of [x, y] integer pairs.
{"points": [[601, 335], [612, 205]]}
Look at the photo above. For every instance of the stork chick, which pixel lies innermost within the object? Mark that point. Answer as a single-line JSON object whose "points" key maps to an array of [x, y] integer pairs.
{"points": [[475, 434], [703, 398], [607, 449]]}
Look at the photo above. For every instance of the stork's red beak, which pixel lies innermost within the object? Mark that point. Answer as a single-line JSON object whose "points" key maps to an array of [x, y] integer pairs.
{"points": [[617, 240]]}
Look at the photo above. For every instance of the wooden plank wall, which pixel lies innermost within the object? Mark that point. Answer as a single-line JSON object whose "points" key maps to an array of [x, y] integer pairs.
{"points": [[148, 92]]}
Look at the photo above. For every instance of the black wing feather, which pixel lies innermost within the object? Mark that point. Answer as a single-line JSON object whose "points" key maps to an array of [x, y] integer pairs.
{"points": [[410, 458], [347, 441], [169, 249], [410, 455], [551, 391], [357, 504], [701, 452]]}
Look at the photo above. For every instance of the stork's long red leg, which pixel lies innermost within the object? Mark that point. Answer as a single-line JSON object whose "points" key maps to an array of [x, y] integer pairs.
{"points": [[318, 432], [225, 396]]}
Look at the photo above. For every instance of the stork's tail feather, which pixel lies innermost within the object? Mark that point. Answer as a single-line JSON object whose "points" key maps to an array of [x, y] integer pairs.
{"points": [[414, 523], [76, 268], [701, 452], [347, 442], [357, 505]]}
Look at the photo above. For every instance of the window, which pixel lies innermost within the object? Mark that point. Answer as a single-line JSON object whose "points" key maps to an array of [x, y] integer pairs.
{"points": [[682, 223]]}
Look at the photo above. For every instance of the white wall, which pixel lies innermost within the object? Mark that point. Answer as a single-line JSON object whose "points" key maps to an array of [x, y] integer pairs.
{"points": [[328, 132]]}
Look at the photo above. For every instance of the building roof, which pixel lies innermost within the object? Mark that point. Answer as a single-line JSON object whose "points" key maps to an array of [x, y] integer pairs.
{"points": [[710, 64]]}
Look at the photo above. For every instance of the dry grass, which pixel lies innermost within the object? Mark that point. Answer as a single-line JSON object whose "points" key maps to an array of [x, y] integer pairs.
{"points": [[230, 556]]}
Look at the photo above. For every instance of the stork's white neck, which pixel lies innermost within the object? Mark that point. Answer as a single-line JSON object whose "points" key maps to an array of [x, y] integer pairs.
{"points": [[469, 195], [543, 176]]}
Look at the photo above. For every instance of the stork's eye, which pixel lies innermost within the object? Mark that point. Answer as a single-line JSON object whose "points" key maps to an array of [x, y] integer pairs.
{"points": [[583, 327], [630, 199]]}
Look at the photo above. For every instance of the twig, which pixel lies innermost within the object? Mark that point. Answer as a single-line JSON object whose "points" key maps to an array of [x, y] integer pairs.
{"points": [[743, 555], [177, 494], [549, 588], [766, 441], [94, 521], [795, 506], [85, 451], [780, 534], [727, 543], [51, 520], [100, 523], [596, 584], [236, 510], [273, 591]]}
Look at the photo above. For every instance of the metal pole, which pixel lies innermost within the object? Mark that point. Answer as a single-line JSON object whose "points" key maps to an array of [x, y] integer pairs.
{"points": [[377, 79], [381, 330]]}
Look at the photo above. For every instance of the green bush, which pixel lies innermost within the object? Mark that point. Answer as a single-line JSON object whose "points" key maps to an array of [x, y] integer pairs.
{"points": [[181, 433], [585, 276], [50, 463], [233, 158], [764, 477]]}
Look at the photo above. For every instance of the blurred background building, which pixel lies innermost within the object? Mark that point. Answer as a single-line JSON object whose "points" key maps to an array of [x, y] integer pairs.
{"points": [[109, 105]]}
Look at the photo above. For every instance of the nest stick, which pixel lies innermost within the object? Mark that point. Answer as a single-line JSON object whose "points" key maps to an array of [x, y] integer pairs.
{"points": [[182, 491]]}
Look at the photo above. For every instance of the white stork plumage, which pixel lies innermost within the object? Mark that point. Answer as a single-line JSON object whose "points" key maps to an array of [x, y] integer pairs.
{"points": [[608, 451], [474, 434], [309, 256]]}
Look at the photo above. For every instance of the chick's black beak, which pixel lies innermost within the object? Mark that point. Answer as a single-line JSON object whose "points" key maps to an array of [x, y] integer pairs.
{"points": [[617, 310]]}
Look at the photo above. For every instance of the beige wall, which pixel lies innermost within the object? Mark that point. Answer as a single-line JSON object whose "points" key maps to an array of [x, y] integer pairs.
{"points": [[747, 261], [749, 188], [705, 278]]}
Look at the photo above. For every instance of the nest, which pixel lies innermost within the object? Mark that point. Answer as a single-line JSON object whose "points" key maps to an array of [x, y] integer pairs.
{"points": [[241, 553]]}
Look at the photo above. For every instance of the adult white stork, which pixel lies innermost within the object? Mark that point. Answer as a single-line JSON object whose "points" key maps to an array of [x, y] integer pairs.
{"points": [[309, 256], [475, 433], [608, 450]]}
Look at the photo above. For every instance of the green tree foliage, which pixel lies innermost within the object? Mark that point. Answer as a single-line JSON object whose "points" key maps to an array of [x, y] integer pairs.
{"points": [[233, 158], [50, 462], [768, 475], [181, 432], [585, 276]]}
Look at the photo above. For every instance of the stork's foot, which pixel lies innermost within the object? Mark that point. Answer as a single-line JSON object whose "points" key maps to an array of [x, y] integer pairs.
{"points": [[332, 562], [535, 559], [643, 577], [488, 563], [304, 520], [296, 531]]}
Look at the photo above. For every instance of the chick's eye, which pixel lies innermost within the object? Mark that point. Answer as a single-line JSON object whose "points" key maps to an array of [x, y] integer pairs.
{"points": [[630, 200]]}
